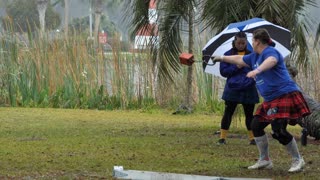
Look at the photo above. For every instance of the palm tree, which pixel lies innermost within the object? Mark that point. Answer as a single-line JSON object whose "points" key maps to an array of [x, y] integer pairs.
{"points": [[172, 14]]}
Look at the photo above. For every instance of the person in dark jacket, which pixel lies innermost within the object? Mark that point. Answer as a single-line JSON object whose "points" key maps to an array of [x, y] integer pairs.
{"points": [[238, 89]]}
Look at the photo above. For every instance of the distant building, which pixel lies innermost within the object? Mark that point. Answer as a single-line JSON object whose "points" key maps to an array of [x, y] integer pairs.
{"points": [[148, 34]]}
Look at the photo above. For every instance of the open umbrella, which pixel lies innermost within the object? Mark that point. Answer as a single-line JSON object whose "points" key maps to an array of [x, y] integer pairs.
{"points": [[222, 42]]}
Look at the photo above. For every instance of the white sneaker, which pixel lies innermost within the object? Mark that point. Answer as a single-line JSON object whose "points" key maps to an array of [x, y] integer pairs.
{"points": [[262, 164], [297, 165]]}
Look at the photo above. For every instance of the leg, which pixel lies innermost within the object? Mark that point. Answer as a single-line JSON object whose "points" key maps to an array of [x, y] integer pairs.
{"points": [[261, 137], [228, 113], [279, 131], [279, 128], [248, 111], [262, 144], [226, 119]]}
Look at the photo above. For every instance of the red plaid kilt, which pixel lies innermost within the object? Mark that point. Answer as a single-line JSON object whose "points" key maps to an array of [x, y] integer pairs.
{"points": [[288, 106]]}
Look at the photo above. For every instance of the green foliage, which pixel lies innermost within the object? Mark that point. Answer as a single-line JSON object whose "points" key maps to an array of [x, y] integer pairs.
{"points": [[82, 25], [108, 26], [9, 48], [24, 16], [79, 24]]}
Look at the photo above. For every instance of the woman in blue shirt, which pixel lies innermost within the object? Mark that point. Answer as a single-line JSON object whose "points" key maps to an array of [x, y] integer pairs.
{"points": [[283, 100], [238, 89]]}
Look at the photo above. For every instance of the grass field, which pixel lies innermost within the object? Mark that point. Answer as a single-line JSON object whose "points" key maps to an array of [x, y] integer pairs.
{"points": [[86, 144]]}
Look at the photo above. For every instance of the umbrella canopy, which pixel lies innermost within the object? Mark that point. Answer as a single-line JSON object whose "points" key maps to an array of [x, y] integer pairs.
{"points": [[222, 42]]}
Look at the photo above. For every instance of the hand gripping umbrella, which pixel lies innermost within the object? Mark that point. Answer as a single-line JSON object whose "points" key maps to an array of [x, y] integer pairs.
{"points": [[222, 42]]}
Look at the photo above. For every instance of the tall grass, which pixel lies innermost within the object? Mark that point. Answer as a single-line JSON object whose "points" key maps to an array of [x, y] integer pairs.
{"points": [[74, 73]]}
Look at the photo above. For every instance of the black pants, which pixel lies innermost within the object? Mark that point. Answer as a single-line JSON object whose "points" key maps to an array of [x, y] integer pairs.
{"points": [[279, 128], [230, 107]]}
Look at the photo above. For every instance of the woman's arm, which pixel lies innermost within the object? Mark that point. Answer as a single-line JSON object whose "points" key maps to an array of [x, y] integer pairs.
{"points": [[235, 59], [267, 64]]}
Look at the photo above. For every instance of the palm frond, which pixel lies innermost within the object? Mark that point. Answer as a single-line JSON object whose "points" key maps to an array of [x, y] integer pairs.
{"points": [[137, 16], [170, 42], [218, 14], [317, 36], [300, 24], [299, 46], [171, 16], [169, 48]]}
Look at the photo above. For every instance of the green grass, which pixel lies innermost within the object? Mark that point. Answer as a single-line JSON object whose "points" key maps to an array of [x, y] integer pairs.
{"points": [[86, 144]]}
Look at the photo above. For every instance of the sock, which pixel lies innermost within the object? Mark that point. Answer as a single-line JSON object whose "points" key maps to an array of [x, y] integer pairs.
{"points": [[292, 149], [263, 147], [250, 133], [223, 133]]}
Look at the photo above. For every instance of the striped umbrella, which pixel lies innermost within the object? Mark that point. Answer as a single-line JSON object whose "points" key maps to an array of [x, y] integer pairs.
{"points": [[222, 42]]}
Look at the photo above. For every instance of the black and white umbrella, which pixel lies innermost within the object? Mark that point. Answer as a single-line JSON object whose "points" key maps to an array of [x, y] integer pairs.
{"points": [[222, 42]]}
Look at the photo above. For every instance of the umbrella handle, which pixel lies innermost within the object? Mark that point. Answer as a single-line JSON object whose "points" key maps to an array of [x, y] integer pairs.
{"points": [[204, 61], [208, 63]]}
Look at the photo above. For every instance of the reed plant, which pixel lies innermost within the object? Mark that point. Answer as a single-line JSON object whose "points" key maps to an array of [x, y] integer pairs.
{"points": [[74, 72]]}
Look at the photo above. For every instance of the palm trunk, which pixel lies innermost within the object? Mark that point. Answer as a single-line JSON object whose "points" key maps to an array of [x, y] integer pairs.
{"points": [[188, 96], [42, 7], [186, 107], [66, 17], [97, 17]]}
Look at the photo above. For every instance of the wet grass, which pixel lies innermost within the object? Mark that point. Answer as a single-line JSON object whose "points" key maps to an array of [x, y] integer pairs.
{"points": [[86, 144]]}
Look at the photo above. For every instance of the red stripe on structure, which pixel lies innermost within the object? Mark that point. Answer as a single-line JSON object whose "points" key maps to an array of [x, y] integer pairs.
{"points": [[149, 30], [152, 4]]}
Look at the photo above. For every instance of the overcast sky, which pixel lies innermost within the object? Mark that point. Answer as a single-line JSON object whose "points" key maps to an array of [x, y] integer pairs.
{"points": [[80, 8]]}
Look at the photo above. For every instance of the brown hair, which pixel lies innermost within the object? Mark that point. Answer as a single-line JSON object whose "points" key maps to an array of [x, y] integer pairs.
{"points": [[263, 36]]}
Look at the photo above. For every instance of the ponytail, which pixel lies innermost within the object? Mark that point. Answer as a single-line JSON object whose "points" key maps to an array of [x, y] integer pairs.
{"points": [[271, 43], [264, 37]]}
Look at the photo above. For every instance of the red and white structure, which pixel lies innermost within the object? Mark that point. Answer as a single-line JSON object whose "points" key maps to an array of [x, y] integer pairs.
{"points": [[148, 34]]}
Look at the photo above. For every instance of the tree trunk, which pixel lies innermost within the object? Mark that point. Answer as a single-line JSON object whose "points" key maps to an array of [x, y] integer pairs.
{"points": [[188, 96], [66, 17], [97, 17], [42, 7], [186, 107]]}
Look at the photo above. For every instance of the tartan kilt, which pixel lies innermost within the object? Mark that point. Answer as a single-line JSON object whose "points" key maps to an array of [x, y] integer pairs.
{"points": [[290, 106]]}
